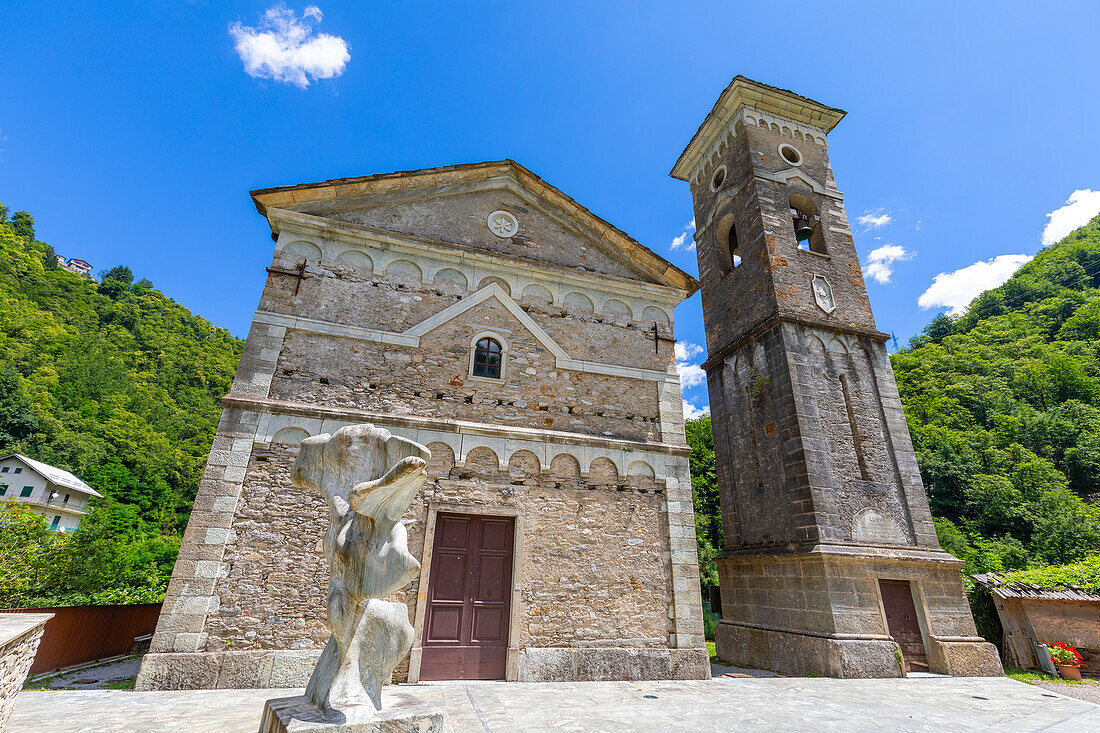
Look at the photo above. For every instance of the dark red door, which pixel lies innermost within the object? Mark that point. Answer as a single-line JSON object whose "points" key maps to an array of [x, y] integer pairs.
{"points": [[469, 595], [901, 619]]}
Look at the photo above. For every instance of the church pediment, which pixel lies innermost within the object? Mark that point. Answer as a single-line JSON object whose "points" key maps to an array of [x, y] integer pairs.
{"points": [[491, 292], [498, 207]]}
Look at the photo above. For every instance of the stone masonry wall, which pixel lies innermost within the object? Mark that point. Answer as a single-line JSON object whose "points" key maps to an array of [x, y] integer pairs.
{"points": [[593, 565], [16, 657], [774, 275], [461, 220], [355, 295], [431, 380]]}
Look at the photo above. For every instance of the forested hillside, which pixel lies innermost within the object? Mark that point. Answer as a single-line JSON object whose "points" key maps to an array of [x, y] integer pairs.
{"points": [[113, 381], [1003, 404]]}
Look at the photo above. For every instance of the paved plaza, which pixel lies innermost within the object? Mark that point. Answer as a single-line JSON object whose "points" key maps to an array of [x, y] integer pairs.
{"points": [[937, 704]]}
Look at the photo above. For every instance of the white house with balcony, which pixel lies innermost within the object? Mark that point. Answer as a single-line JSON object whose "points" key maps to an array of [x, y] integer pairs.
{"points": [[56, 494]]}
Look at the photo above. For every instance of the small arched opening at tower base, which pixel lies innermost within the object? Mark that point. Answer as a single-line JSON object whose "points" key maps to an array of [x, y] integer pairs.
{"points": [[729, 248], [807, 224]]}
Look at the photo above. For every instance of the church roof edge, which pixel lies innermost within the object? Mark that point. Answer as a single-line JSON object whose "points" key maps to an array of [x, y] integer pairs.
{"points": [[660, 268]]}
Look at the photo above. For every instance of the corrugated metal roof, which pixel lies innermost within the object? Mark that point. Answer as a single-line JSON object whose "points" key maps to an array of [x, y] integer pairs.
{"points": [[996, 582], [56, 475]]}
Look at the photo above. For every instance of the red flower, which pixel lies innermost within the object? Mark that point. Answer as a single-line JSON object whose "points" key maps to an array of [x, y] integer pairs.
{"points": [[1066, 654]]}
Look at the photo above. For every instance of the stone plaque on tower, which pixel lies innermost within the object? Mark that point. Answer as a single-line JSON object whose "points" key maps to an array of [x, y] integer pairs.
{"points": [[831, 563]]}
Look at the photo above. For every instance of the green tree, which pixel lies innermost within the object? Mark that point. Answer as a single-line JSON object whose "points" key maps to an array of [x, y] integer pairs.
{"points": [[704, 495], [119, 273], [22, 224], [49, 258], [18, 423], [31, 556]]}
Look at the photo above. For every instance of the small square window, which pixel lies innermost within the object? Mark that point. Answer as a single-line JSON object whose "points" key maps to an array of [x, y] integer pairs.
{"points": [[26, 491], [4, 469], [19, 470]]}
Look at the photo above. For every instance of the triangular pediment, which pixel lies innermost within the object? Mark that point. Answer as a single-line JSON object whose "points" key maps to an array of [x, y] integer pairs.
{"points": [[452, 205], [489, 292]]}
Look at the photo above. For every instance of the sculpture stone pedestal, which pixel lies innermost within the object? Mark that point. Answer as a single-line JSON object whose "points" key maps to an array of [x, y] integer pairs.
{"points": [[403, 714]]}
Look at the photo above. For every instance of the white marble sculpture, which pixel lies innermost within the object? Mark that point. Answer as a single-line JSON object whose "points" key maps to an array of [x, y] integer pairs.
{"points": [[368, 477]]}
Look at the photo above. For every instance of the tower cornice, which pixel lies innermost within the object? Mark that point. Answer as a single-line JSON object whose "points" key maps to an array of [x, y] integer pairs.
{"points": [[745, 93], [719, 355]]}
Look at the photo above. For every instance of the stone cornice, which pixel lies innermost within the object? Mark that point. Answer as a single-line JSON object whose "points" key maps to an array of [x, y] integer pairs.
{"points": [[448, 251], [774, 320], [847, 552], [464, 427], [746, 93]]}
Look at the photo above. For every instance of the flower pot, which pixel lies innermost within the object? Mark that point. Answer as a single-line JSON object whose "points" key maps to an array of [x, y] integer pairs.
{"points": [[1069, 671]]}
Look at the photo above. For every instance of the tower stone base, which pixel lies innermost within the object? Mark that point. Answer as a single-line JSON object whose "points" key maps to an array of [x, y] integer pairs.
{"points": [[820, 611]]}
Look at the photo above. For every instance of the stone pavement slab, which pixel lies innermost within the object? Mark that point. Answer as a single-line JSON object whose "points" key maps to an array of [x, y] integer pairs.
{"points": [[723, 704]]}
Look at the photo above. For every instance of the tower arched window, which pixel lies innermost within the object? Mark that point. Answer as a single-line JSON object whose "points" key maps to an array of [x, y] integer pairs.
{"points": [[729, 248], [488, 359], [733, 245], [807, 224]]}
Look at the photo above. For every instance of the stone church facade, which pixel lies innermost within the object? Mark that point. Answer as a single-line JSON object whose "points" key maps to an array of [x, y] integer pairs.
{"points": [[831, 563], [528, 343]]}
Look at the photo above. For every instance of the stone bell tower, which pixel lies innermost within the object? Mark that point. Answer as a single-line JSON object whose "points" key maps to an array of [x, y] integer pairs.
{"points": [[831, 563]]}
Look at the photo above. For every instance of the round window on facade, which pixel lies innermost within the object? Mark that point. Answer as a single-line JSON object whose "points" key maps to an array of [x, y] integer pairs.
{"points": [[790, 154], [718, 179]]}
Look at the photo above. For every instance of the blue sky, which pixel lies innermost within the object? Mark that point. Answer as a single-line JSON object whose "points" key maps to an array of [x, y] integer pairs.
{"points": [[134, 131]]}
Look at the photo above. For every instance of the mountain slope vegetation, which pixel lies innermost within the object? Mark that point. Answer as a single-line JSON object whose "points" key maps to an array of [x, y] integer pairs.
{"points": [[117, 383]]}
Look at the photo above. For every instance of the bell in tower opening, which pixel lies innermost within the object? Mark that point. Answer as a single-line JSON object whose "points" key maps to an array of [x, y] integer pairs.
{"points": [[831, 564]]}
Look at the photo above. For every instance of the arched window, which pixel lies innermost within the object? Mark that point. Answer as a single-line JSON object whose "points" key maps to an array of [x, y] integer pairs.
{"points": [[807, 224], [729, 251], [488, 359], [734, 246]]}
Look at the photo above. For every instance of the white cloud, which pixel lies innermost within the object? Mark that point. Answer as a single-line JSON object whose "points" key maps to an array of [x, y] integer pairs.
{"points": [[686, 350], [880, 262], [691, 411], [681, 238], [691, 374], [284, 47], [1078, 211], [876, 219], [957, 289]]}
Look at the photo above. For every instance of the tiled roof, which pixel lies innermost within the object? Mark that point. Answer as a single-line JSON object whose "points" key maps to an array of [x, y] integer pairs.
{"points": [[56, 475], [996, 583]]}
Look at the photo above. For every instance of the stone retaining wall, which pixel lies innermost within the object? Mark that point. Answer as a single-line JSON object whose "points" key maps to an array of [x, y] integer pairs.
{"points": [[20, 634]]}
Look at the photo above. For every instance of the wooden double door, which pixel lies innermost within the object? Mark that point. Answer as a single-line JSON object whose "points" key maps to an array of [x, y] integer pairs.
{"points": [[469, 598], [902, 622]]}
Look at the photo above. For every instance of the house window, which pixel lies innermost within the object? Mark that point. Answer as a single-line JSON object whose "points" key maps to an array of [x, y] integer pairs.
{"points": [[3, 489], [66, 500], [488, 359], [4, 469], [56, 521], [19, 470], [26, 491]]}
